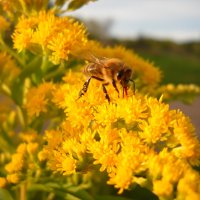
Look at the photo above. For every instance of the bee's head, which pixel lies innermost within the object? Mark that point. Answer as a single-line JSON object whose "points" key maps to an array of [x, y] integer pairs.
{"points": [[124, 76]]}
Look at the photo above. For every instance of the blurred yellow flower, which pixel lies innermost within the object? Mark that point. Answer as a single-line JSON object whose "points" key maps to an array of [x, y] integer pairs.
{"points": [[2, 182], [188, 187], [28, 136], [16, 164], [32, 147], [54, 138], [22, 148], [4, 24], [43, 155], [9, 70], [183, 92], [37, 99], [13, 178]]}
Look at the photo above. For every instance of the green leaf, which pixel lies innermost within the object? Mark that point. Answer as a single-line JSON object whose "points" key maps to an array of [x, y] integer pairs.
{"points": [[71, 197], [5, 143], [83, 195], [5, 195], [75, 4], [40, 187], [31, 67]]}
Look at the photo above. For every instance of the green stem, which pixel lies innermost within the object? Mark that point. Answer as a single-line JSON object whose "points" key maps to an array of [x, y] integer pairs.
{"points": [[21, 116], [53, 74], [6, 89], [44, 64], [51, 196]]}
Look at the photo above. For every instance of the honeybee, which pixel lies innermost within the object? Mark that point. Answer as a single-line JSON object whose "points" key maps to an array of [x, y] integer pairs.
{"points": [[108, 71]]}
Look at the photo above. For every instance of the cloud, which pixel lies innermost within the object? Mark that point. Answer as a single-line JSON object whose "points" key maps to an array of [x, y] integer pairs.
{"points": [[133, 16]]}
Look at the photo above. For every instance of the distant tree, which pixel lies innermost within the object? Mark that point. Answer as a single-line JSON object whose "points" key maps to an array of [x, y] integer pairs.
{"points": [[99, 29]]}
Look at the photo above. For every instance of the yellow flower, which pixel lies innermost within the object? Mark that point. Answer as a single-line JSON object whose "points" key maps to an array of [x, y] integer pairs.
{"points": [[157, 125], [74, 147], [162, 188], [106, 114], [128, 137], [60, 162], [32, 147], [122, 179], [4, 157], [36, 104], [54, 138], [167, 166], [56, 36], [4, 24], [2, 182], [133, 109], [22, 148], [23, 41], [104, 154], [188, 187], [189, 146], [181, 92], [68, 165], [16, 164], [37, 99], [13, 178], [71, 39], [43, 154], [29, 136], [9, 70]]}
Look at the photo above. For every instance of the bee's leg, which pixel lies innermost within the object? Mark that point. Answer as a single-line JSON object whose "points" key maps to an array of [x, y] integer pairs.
{"points": [[133, 86], [105, 92], [125, 91], [84, 89], [115, 86]]}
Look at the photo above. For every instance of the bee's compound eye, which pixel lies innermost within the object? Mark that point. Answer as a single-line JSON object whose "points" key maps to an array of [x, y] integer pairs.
{"points": [[120, 74], [128, 73]]}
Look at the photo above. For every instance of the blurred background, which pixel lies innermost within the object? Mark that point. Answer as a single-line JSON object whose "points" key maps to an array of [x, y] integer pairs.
{"points": [[166, 32]]}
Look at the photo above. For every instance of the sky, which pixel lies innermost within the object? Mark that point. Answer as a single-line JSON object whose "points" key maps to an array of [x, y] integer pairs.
{"points": [[178, 20]]}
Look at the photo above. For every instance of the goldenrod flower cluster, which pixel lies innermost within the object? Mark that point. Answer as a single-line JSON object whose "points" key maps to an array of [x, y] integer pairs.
{"points": [[55, 145], [54, 36], [127, 138], [183, 92], [24, 159]]}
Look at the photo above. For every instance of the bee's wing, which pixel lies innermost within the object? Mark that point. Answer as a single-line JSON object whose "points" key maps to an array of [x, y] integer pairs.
{"points": [[97, 60], [95, 70]]}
